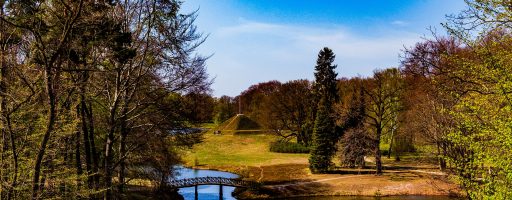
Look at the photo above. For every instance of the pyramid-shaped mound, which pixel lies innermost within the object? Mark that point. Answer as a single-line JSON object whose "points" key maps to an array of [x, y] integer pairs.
{"points": [[239, 124]]}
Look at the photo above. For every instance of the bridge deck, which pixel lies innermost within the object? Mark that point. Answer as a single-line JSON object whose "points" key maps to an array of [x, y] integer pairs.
{"points": [[190, 182]]}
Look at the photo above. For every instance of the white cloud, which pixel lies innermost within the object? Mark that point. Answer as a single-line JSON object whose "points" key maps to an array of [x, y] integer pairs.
{"points": [[252, 52], [248, 27], [399, 23]]}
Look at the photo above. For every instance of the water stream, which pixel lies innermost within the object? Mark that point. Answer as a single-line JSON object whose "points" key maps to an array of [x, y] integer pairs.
{"points": [[211, 192], [206, 192]]}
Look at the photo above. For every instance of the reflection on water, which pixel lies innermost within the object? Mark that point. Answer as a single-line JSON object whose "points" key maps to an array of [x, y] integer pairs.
{"points": [[206, 192]]}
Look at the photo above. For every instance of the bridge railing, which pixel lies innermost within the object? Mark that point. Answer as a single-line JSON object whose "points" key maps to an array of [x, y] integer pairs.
{"points": [[190, 182]]}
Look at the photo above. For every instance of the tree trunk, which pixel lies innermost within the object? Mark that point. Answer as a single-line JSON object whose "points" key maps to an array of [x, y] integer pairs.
{"points": [[108, 163], [442, 161], [85, 130], [122, 142], [378, 161], [392, 139], [78, 160], [52, 114], [110, 138], [122, 154], [87, 147], [3, 149], [15, 160], [300, 137], [122, 151], [94, 153]]}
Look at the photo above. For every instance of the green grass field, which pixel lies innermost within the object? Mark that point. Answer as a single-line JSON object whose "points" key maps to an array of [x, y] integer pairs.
{"points": [[249, 156], [238, 150]]}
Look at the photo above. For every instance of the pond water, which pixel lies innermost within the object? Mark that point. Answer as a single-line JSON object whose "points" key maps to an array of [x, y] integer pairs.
{"points": [[206, 192], [211, 192]]}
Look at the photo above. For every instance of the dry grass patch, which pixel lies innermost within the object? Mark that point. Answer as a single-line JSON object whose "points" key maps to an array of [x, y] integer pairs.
{"points": [[288, 175]]}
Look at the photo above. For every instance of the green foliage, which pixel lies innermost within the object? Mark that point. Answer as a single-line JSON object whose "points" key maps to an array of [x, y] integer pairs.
{"points": [[324, 140], [198, 107], [482, 134], [281, 146], [474, 76], [324, 134], [85, 85], [224, 109], [325, 77]]}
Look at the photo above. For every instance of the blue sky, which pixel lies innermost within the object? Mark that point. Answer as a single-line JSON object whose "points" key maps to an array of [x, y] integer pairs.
{"points": [[255, 41]]}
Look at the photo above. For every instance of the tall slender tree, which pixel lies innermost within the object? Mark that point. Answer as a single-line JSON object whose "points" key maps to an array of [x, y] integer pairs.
{"points": [[324, 135]]}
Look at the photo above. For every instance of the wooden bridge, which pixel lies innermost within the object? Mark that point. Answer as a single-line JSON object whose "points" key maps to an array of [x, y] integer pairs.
{"points": [[221, 181]]}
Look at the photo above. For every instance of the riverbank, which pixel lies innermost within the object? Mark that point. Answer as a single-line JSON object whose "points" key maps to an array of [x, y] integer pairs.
{"points": [[288, 175]]}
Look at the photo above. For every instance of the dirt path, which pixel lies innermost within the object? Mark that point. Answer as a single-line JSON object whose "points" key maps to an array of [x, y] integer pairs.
{"points": [[315, 181], [392, 182]]}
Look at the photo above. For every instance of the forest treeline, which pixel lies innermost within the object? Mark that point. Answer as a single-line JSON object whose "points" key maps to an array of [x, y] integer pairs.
{"points": [[92, 95], [450, 96]]}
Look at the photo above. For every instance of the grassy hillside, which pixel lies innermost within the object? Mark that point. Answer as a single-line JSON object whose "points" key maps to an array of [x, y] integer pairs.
{"points": [[239, 124], [238, 150]]}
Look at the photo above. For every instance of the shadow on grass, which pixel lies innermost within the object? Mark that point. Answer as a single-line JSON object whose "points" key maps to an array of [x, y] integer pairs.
{"points": [[287, 190], [144, 192], [354, 171]]}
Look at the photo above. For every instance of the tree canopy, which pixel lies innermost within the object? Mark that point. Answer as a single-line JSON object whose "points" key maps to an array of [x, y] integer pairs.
{"points": [[81, 82]]}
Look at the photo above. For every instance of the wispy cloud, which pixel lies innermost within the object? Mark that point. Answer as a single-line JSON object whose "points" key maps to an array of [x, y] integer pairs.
{"points": [[248, 49], [257, 51], [399, 23], [304, 39], [249, 27]]}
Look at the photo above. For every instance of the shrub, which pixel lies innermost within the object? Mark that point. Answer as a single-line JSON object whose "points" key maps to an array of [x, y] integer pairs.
{"points": [[355, 144], [288, 147]]}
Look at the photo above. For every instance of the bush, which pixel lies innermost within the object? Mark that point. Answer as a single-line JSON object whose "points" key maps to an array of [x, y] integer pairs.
{"points": [[355, 144], [288, 147], [384, 152]]}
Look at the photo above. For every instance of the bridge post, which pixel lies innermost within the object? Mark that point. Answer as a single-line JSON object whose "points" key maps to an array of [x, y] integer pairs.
{"points": [[220, 192], [196, 193]]}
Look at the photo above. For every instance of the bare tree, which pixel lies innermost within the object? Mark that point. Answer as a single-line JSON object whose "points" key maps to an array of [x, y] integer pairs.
{"points": [[383, 92]]}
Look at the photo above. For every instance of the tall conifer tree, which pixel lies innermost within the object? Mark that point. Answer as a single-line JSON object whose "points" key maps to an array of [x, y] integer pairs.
{"points": [[324, 137]]}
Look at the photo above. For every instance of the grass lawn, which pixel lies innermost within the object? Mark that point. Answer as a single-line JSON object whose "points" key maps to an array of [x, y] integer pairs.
{"points": [[288, 175], [238, 150]]}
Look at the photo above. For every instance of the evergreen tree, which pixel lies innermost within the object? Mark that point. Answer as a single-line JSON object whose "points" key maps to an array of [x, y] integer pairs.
{"points": [[324, 136]]}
